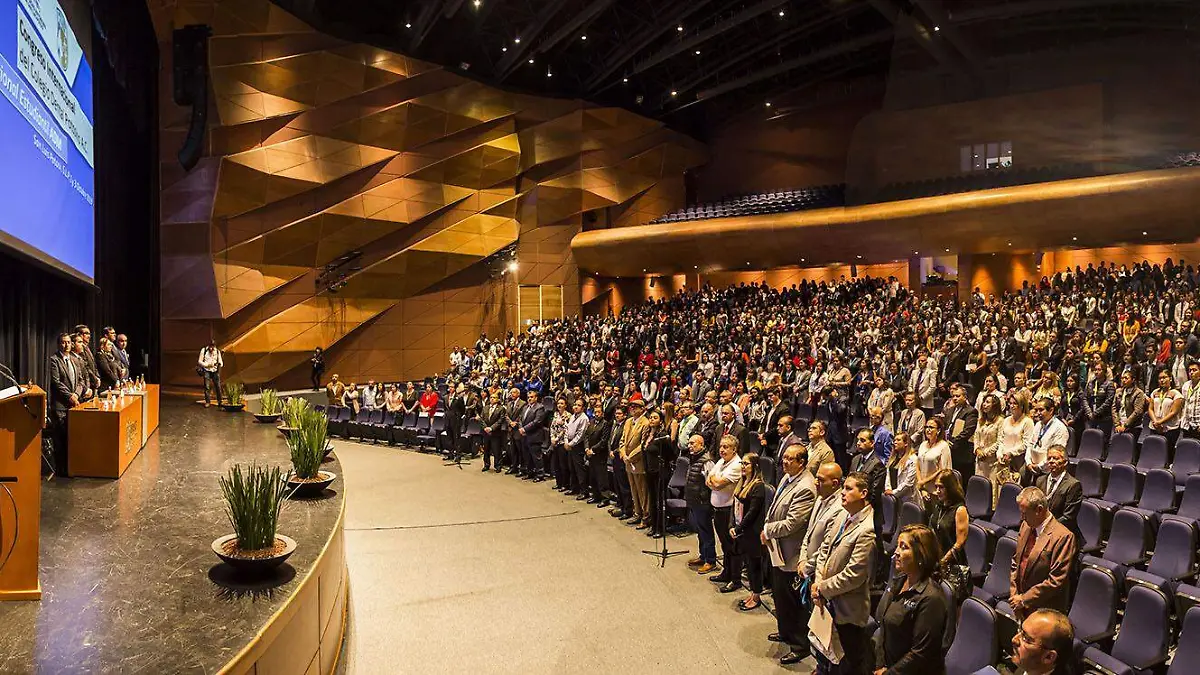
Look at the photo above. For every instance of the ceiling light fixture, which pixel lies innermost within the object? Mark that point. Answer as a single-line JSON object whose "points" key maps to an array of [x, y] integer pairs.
{"points": [[504, 49], [624, 79], [478, 3], [517, 40], [936, 28], [768, 104], [408, 25], [781, 12], [531, 60], [697, 52], [1145, 233], [675, 93], [582, 37], [512, 266], [679, 29]]}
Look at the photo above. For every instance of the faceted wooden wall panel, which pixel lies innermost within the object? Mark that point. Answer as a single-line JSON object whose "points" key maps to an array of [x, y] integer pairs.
{"points": [[317, 148]]}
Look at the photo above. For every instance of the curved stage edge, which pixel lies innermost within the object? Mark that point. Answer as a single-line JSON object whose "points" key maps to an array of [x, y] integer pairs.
{"points": [[130, 583]]}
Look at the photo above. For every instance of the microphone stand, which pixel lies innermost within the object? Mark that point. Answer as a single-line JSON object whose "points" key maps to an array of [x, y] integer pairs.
{"points": [[664, 479]]}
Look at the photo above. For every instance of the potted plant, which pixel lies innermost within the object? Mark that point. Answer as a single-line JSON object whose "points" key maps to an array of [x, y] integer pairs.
{"points": [[293, 408], [308, 442], [272, 407], [254, 496], [234, 399]]}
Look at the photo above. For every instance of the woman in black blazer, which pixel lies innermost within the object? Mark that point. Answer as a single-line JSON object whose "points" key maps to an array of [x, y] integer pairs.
{"points": [[749, 516]]}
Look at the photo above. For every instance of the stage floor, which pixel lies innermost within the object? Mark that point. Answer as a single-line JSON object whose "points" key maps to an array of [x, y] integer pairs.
{"points": [[463, 572], [125, 564]]}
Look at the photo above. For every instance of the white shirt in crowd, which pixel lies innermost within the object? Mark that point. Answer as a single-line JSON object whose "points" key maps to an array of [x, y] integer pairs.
{"points": [[731, 472]]}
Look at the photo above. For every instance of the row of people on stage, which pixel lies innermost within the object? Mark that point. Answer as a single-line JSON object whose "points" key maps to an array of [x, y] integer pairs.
{"points": [[79, 373]]}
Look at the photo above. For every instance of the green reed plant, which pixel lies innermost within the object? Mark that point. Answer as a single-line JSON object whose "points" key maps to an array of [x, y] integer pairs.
{"points": [[293, 408], [269, 399], [308, 442], [254, 495], [234, 391]]}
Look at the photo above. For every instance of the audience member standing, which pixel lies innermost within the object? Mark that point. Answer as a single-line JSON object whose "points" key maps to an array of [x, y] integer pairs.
{"points": [[722, 478], [1048, 431], [317, 370], [633, 442], [749, 513], [961, 422], [699, 502], [785, 529], [932, 456], [1041, 569], [1064, 494], [913, 615], [494, 431], [900, 480], [595, 452], [842, 578]]}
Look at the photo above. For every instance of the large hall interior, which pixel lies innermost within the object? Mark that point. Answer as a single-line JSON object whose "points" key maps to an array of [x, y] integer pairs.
{"points": [[356, 337]]}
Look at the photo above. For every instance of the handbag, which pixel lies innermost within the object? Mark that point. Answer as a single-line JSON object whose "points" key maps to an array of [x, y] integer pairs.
{"points": [[959, 579]]}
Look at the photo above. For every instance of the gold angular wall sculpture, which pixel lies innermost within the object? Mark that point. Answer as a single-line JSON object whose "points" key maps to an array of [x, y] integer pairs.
{"points": [[317, 148]]}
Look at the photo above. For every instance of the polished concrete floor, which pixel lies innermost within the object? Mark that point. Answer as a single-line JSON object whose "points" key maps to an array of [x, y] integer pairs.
{"points": [[459, 571]]}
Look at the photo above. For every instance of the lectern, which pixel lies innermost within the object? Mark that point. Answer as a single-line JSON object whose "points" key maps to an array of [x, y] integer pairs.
{"points": [[21, 420]]}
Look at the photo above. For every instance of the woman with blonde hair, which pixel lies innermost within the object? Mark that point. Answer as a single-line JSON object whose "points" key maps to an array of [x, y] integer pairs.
{"points": [[1016, 434], [1047, 387], [749, 517]]}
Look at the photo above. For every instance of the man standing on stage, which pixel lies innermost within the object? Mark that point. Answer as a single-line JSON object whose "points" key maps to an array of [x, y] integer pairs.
{"points": [[210, 363]]}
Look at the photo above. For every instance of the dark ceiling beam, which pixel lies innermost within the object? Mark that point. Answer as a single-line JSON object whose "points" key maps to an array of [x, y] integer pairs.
{"points": [[516, 53], [696, 39], [576, 25], [600, 81], [822, 20], [1027, 7], [425, 22], [951, 33], [907, 26], [833, 51]]}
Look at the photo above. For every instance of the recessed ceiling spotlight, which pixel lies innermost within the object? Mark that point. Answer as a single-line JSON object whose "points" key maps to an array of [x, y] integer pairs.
{"points": [[859, 257], [947, 250], [531, 60], [675, 93], [781, 12], [679, 29], [695, 267], [549, 74], [1145, 233], [517, 41], [697, 52], [504, 49], [477, 3], [408, 25], [624, 79], [802, 260], [1009, 243], [582, 37], [1074, 238], [768, 104], [936, 28], [916, 253]]}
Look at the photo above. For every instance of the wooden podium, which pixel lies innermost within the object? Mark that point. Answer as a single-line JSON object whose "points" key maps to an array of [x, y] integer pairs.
{"points": [[21, 420]]}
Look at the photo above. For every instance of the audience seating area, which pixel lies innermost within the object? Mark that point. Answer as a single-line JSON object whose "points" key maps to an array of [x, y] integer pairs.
{"points": [[1135, 596], [803, 199]]}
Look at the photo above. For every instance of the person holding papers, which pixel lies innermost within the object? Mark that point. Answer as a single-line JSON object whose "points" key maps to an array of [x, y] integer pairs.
{"points": [[842, 582]]}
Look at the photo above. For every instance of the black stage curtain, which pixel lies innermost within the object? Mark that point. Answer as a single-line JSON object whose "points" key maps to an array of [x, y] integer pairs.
{"points": [[36, 304]]}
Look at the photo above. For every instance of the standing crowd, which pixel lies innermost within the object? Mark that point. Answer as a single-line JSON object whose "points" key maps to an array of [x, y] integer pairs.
{"points": [[792, 413]]}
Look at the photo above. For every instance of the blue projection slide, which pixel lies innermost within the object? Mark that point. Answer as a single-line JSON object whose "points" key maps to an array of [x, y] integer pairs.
{"points": [[47, 169]]}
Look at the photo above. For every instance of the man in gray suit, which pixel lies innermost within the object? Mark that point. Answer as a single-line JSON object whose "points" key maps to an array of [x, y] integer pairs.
{"points": [[842, 576], [784, 531]]}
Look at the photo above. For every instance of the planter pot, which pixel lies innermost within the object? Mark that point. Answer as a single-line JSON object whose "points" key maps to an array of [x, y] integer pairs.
{"points": [[284, 431], [253, 566], [311, 488], [230, 407], [266, 419]]}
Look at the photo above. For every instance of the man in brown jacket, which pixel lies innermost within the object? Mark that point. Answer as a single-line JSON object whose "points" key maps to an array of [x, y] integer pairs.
{"points": [[1041, 568], [633, 442]]}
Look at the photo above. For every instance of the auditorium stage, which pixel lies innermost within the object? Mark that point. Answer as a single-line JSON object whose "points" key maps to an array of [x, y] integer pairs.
{"points": [[126, 564]]}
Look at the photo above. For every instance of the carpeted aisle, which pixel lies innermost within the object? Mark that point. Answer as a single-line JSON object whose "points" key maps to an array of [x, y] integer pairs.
{"points": [[457, 571]]}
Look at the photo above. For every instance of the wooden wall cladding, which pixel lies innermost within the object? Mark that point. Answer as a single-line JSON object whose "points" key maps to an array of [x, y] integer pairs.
{"points": [[317, 148]]}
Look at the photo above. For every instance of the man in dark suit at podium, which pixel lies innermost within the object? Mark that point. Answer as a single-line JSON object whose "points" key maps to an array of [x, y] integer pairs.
{"points": [[67, 388]]}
